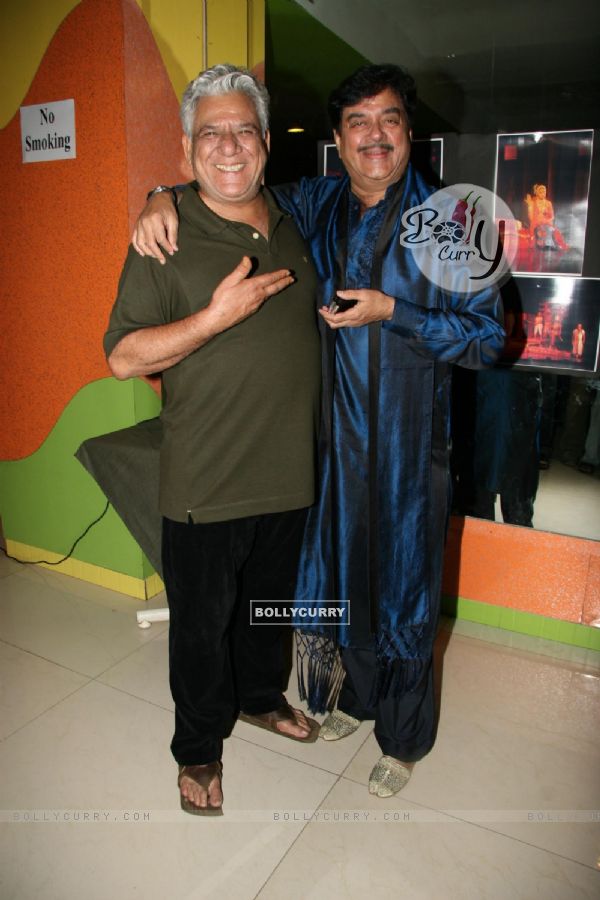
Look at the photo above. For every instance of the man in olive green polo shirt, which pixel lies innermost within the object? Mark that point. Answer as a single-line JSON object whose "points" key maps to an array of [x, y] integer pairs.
{"points": [[233, 333]]}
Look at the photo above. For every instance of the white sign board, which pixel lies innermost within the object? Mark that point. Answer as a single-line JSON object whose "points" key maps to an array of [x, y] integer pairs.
{"points": [[48, 131]]}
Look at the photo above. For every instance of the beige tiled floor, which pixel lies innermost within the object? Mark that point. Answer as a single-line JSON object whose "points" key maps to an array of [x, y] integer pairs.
{"points": [[567, 502], [507, 805]]}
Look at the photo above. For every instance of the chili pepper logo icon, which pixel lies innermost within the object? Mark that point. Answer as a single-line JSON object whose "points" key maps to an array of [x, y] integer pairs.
{"points": [[473, 213], [460, 211], [454, 231]]}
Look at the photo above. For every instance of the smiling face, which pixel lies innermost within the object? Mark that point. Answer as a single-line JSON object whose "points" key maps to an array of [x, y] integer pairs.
{"points": [[540, 191], [227, 152], [374, 143]]}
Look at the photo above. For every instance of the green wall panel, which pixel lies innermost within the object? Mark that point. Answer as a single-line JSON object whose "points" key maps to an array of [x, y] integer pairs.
{"points": [[48, 499], [522, 622], [301, 51]]}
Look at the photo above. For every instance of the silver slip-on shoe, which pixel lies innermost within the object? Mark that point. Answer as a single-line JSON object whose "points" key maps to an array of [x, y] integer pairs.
{"points": [[388, 777], [338, 725]]}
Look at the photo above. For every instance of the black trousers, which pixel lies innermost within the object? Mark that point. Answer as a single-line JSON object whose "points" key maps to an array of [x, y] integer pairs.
{"points": [[218, 662], [516, 506], [405, 726]]}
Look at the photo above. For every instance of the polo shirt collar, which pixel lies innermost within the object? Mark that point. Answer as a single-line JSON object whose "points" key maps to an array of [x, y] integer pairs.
{"points": [[194, 209]]}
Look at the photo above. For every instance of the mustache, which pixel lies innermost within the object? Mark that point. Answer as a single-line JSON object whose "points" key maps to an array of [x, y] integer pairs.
{"points": [[377, 145]]}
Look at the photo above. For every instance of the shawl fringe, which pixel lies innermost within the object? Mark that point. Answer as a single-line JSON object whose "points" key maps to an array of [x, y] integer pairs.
{"points": [[320, 671], [401, 662], [402, 676], [321, 674]]}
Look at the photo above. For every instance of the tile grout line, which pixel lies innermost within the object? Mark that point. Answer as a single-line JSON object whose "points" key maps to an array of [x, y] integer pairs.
{"points": [[298, 836], [339, 778], [294, 759], [91, 679], [45, 711], [518, 840], [46, 659], [457, 818], [119, 690], [451, 816]]}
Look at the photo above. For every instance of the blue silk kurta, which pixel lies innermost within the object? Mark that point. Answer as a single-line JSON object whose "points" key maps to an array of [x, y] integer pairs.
{"points": [[403, 431], [349, 456]]}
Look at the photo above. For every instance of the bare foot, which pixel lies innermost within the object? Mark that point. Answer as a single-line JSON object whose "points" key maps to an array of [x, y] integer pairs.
{"points": [[300, 728], [193, 791], [286, 721]]}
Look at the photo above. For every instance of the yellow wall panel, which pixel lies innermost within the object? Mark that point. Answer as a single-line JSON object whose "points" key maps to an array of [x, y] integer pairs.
{"points": [[256, 33], [177, 29], [236, 33], [26, 29], [227, 32]]}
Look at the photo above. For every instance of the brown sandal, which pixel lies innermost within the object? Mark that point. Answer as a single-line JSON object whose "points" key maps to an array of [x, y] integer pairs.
{"points": [[284, 713], [202, 776]]}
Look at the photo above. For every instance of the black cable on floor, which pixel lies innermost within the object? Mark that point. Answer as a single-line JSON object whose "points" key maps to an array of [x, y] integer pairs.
{"points": [[36, 562]]}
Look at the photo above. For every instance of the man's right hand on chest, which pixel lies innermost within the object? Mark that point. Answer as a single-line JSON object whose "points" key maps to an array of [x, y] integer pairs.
{"points": [[238, 296], [156, 348]]}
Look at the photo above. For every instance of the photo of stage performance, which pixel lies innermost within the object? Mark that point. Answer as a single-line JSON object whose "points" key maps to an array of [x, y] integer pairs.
{"points": [[544, 178], [552, 323]]}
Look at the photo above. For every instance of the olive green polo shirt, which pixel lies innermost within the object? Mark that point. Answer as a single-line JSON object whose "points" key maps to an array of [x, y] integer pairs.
{"points": [[240, 413]]}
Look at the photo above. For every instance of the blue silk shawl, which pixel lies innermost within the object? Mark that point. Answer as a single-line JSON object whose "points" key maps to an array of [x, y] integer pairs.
{"points": [[410, 361]]}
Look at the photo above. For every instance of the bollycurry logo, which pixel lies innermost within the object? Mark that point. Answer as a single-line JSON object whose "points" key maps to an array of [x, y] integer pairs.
{"points": [[463, 238]]}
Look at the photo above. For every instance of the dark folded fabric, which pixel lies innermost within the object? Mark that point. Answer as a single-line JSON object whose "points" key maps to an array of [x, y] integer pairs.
{"points": [[125, 465]]}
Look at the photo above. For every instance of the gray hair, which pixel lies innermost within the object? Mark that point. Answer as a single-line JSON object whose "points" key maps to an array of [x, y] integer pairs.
{"points": [[223, 79]]}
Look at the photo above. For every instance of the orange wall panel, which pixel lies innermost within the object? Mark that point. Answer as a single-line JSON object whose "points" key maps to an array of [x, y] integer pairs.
{"points": [[534, 571], [68, 222]]}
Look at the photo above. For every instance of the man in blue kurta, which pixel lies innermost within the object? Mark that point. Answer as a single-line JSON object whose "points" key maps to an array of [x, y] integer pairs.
{"points": [[375, 537]]}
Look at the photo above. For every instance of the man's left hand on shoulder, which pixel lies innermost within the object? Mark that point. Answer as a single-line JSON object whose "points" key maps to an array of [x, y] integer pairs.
{"points": [[370, 306]]}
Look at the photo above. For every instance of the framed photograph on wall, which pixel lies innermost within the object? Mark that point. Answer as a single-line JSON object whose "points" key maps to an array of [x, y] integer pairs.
{"points": [[329, 160], [544, 177], [427, 156], [552, 323]]}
